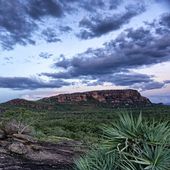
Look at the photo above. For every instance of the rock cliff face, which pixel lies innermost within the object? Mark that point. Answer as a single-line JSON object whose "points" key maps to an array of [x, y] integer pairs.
{"points": [[113, 97]]}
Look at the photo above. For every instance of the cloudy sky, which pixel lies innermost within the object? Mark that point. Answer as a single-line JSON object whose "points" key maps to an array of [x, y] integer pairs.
{"points": [[49, 47]]}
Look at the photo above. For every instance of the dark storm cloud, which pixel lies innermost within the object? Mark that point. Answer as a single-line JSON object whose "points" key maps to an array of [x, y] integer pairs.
{"points": [[131, 79], [65, 29], [15, 26], [92, 5], [167, 81], [125, 79], [115, 3], [165, 20], [150, 85], [132, 49], [39, 8], [23, 83], [163, 25], [50, 35], [19, 21], [166, 2], [63, 62], [96, 26]]}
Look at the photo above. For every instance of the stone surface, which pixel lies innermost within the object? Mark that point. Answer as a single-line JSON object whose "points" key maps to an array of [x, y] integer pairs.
{"points": [[18, 148], [21, 151], [48, 156]]}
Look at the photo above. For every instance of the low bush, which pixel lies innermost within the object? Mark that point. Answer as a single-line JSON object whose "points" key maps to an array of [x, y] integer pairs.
{"points": [[13, 126]]}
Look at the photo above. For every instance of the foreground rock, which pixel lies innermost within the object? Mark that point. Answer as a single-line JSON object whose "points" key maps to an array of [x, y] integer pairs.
{"points": [[19, 151]]}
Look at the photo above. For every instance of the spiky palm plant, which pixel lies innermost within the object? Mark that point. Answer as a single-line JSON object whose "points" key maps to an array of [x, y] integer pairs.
{"points": [[131, 144]]}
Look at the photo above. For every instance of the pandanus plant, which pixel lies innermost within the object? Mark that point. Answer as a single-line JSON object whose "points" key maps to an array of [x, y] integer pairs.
{"points": [[131, 144]]}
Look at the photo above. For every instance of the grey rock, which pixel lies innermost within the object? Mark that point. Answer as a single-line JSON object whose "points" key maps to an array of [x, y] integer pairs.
{"points": [[24, 138], [18, 148]]}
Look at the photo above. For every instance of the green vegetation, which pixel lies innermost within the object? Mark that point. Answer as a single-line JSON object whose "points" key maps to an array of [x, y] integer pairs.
{"points": [[79, 122], [131, 144]]}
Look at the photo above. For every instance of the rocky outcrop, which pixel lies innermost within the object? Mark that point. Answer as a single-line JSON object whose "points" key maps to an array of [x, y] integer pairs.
{"points": [[21, 151], [114, 97]]}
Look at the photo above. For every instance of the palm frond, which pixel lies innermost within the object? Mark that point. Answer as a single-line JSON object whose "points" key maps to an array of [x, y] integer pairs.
{"points": [[131, 144]]}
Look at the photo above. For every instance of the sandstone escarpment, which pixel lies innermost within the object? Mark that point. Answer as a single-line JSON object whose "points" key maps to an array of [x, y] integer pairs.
{"points": [[114, 97]]}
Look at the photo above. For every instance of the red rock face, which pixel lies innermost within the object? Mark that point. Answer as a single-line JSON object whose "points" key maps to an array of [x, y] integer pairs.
{"points": [[111, 97], [114, 97]]}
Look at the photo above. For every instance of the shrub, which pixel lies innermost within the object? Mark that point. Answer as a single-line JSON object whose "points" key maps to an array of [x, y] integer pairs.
{"points": [[15, 127], [131, 144]]}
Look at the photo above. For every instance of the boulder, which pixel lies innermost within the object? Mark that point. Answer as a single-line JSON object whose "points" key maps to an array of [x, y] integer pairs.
{"points": [[18, 148], [14, 127]]}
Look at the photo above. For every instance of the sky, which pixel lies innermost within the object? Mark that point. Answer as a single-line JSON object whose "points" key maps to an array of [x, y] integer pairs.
{"points": [[49, 47]]}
